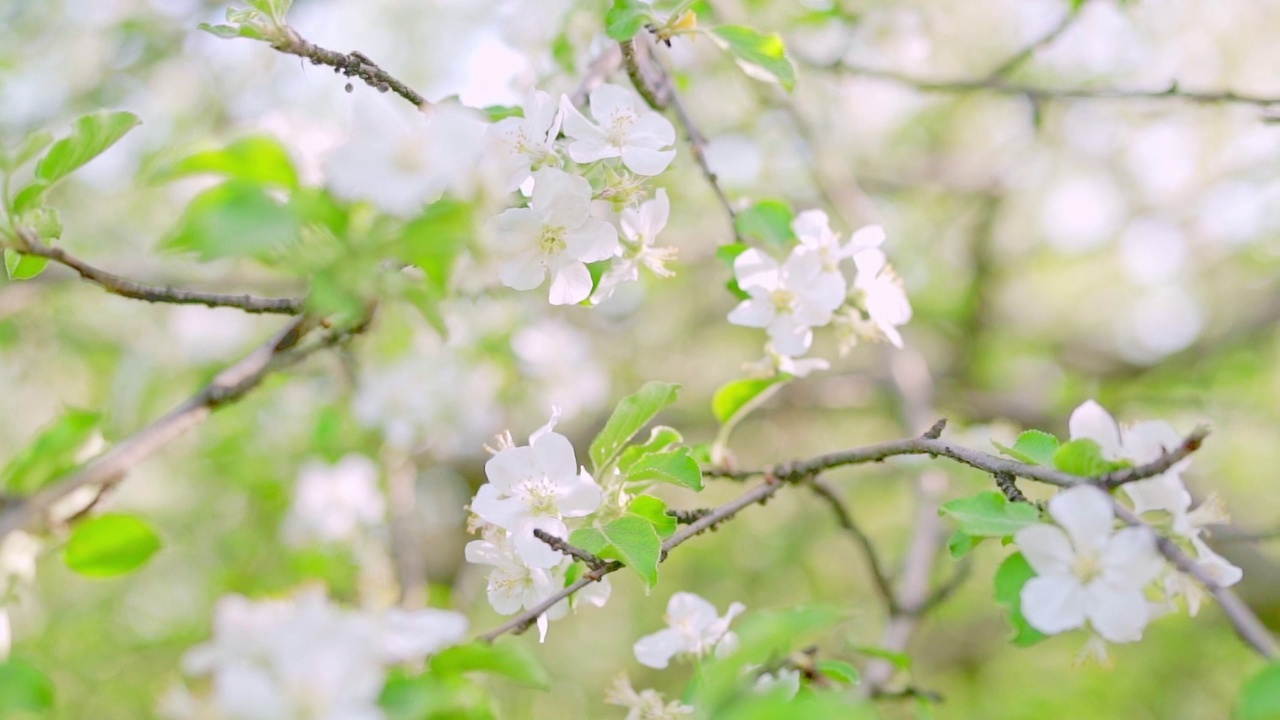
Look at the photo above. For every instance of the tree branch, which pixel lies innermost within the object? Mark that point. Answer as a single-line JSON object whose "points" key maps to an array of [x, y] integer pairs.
{"points": [[233, 383], [523, 621], [352, 65], [125, 287], [566, 548], [880, 577]]}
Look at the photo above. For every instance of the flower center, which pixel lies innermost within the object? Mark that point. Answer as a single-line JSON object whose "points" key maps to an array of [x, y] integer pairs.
{"points": [[552, 240], [507, 583], [1086, 567], [616, 132], [783, 300], [539, 494]]}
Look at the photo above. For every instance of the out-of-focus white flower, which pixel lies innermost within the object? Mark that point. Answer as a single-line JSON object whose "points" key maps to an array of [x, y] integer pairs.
{"points": [[772, 364], [647, 704], [332, 502], [788, 300], [306, 658], [205, 334], [640, 228], [693, 628], [1088, 573], [560, 366], [556, 234], [399, 159], [813, 230], [536, 486], [881, 295], [788, 678], [521, 145], [624, 127], [18, 552], [1139, 443]]}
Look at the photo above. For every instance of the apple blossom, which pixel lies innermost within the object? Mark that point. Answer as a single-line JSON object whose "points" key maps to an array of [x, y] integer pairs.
{"points": [[788, 300], [644, 705], [556, 234], [1139, 443], [536, 486], [880, 294], [624, 127], [787, 678], [521, 145], [1087, 573], [693, 628], [813, 230], [332, 502], [640, 227]]}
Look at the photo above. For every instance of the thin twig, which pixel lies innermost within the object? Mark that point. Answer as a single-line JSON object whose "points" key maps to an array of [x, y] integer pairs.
{"points": [[352, 64], [125, 287], [880, 577], [282, 350], [524, 620], [573, 551], [638, 79], [1009, 486], [684, 517]]}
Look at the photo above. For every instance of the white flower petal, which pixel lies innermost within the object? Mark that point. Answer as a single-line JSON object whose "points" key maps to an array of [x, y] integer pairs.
{"points": [[1053, 603], [1118, 613], [1086, 513], [1130, 558], [1046, 549], [570, 284], [656, 650], [1090, 421], [753, 268], [643, 161], [756, 312]]}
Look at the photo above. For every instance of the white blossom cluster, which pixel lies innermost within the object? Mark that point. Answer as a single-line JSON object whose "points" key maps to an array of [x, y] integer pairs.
{"points": [[1115, 580], [333, 503], [532, 487], [304, 657], [398, 160], [810, 290]]}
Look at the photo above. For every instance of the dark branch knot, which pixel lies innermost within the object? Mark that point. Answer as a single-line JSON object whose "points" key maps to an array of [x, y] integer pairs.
{"points": [[935, 432], [573, 551]]}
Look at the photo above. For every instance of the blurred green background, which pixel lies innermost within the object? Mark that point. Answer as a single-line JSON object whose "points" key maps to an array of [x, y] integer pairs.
{"points": [[1055, 249]]}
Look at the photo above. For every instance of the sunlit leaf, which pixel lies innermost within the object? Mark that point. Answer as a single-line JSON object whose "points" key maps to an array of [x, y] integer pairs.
{"points": [[110, 544], [90, 136]]}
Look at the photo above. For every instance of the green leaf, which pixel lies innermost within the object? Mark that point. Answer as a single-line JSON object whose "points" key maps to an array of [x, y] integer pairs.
{"points": [[730, 252], [655, 511], [30, 197], [900, 660], [676, 467], [51, 454], [90, 136], [1012, 574], [839, 670], [661, 438], [110, 544], [235, 219], [633, 413], [255, 159], [230, 31], [734, 400], [761, 56], [961, 543], [589, 539], [502, 112], [19, 266], [510, 660], [433, 240], [1033, 446], [24, 689], [45, 222], [1084, 457], [428, 696], [29, 147], [625, 18], [634, 540], [990, 514], [1259, 699], [768, 221]]}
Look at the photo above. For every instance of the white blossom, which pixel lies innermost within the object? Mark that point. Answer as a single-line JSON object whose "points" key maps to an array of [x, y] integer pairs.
{"points": [[1088, 573], [1139, 443], [880, 294], [332, 502], [521, 145], [788, 678], [556, 234], [536, 486], [306, 658], [640, 228], [788, 300], [647, 704], [624, 128], [813, 230], [693, 628]]}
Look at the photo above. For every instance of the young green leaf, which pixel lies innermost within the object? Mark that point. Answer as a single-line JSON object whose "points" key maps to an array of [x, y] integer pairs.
{"points": [[589, 539], [960, 543], [767, 221], [24, 689], [1012, 574], [900, 660], [625, 18], [633, 413], [513, 661], [90, 136], [676, 467], [634, 540], [990, 514], [735, 399], [52, 453], [655, 511], [1260, 697], [434, 239], [110, 544], [30, 197], [18, 266], [256, 159], [839, 670], [1084, 457], [761, 56], [235, 219], [26, 150], [1033, 446], [661, 439]]}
